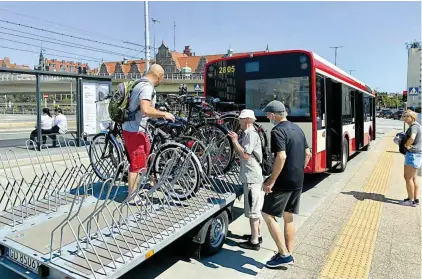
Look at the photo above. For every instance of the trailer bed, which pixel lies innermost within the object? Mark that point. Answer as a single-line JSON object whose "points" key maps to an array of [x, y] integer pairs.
{"points": [[92, 229]]}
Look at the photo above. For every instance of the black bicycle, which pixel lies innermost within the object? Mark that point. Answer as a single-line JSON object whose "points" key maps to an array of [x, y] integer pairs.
{"points": [[200, 121]]}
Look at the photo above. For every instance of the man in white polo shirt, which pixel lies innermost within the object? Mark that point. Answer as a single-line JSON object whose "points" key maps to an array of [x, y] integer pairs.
{"points": [[250, 152]]}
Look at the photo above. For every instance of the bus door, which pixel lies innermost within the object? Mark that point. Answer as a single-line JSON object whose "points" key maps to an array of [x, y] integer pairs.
{"points": [[334, 127], [359, 120]]}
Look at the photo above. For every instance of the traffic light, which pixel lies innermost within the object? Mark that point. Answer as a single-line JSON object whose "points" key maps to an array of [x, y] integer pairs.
{"points": [[404, 96]]}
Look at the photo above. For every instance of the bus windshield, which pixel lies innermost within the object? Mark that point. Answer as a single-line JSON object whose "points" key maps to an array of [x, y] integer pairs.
{"points": [[256, 81]]}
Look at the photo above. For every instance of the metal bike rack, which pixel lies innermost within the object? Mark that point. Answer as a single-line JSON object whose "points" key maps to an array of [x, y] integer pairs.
{"points": [[85, 228]]}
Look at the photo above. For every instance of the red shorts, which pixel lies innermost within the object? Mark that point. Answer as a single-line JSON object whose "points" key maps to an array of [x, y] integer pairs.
{"points": [[138, 148]]}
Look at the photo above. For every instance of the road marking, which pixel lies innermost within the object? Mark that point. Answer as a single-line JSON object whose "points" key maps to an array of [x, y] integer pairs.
{"points": [[352, 255]]}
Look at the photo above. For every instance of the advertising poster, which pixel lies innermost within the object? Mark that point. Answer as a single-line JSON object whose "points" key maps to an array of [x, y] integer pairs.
{"points": [[103, 118], [95, 107], [89, 108]]}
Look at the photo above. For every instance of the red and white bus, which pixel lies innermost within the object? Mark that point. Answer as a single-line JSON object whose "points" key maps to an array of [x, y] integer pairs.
{"points": [[335, 110]]}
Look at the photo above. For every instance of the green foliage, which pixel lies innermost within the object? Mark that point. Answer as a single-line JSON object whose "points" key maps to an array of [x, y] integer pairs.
{"points": [[389, 100]]}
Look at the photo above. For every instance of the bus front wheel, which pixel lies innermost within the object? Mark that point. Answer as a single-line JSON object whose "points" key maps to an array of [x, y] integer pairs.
{"points": [[345, 155]]}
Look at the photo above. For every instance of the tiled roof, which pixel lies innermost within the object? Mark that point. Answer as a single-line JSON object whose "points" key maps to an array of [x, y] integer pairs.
{"points": [[193, 61], [180, 59], [140, 64]]}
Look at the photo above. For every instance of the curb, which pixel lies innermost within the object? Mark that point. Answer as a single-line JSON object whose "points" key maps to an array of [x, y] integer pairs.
{"points": [[27, 124]]}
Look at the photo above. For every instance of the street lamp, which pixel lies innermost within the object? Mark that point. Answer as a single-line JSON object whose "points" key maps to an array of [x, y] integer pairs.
{"points": [[154, 21], [335, 53]]}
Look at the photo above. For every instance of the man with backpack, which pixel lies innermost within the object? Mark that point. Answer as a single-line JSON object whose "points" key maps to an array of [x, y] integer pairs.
{"points": [[141, 106], [284, 187], [250, 152]]}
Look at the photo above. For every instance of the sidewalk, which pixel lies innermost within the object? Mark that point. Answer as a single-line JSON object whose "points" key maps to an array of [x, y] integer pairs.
{"points": [[361, 232]]}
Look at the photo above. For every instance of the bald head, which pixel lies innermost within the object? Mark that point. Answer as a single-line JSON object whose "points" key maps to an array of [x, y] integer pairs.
{"points": [[155, 74]]}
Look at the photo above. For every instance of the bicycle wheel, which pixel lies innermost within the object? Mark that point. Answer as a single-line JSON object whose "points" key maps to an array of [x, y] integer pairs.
{"points": [[105, 155], [184, 178], [231, 121], [199, 150], [222, 157]]}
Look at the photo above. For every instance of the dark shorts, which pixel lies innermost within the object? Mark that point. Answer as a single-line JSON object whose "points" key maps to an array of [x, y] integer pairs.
{"points": [[276, 203]]}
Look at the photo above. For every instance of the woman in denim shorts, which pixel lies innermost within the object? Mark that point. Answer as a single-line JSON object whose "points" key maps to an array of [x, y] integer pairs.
{"points": [[413, 158]]}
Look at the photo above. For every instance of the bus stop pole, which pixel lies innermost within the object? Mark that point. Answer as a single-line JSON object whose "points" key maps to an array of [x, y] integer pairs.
{"points": [[38, 97], [78, 111]]}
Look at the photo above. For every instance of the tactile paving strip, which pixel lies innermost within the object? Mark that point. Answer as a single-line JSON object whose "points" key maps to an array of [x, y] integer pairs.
{"points": [[351, 256]]}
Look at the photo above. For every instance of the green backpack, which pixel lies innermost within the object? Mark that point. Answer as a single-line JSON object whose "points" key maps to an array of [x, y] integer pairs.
{"points": [[118, 108]]}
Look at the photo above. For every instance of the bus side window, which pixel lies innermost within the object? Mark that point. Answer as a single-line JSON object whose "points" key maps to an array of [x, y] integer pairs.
{"points": [[320, 100], [348, 105]]}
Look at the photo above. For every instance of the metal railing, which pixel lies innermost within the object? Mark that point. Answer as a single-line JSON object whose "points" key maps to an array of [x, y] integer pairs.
{"points": [[22, 77]]}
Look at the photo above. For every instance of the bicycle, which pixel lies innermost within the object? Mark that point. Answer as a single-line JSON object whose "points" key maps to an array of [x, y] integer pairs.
{"points": [[199, 123], [108, 150]]}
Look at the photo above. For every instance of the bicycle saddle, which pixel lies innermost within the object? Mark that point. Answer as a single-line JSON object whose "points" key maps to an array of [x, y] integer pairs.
{"points": [[158, 123], [174, 124]]}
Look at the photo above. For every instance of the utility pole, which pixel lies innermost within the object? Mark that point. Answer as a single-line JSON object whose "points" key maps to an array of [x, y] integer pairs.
{"points": [[146, 37], [350, 71], [174, 34], [335, 53], [154, 21]]}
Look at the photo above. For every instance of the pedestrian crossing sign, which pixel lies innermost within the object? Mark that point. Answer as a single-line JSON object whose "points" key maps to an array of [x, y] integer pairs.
{"points": [[413, 91], [197, 87]]}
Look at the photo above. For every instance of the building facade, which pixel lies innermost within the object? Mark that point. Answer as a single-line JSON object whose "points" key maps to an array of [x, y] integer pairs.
{"points": [[5, 63], [414, 75], [185, 63], [54, 65]]}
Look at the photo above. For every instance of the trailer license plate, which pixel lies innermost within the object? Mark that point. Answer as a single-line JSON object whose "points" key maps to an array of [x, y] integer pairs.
{"points": [[22, 260]]}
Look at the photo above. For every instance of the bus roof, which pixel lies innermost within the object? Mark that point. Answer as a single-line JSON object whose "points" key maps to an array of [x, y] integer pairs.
{"points": [[321, 65]]}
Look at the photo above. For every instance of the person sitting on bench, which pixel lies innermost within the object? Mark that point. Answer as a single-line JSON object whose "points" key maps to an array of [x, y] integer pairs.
{"points": [[46, 125], [59, 126]]}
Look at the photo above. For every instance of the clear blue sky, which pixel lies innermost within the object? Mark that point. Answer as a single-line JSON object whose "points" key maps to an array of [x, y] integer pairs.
{"points": [[373, 33]]}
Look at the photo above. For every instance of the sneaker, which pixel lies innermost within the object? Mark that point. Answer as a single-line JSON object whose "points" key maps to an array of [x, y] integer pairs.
{"points": [[416, 202], [250, 246], [248, 236], [278, 260], [408, 202]]}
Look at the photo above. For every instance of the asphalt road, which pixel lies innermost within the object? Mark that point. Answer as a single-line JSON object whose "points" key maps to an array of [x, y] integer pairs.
{"points": [[233, 262]]}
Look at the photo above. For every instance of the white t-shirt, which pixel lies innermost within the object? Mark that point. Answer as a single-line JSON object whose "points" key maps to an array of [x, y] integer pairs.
{"points": [[61, 122], [46, 122]]}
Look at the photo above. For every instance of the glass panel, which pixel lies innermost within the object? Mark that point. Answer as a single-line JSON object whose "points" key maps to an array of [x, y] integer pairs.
{"points": [[293, 92]]}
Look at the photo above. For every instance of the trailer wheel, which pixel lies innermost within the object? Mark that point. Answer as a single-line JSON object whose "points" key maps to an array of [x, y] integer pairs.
{"points": [[216, 234]]}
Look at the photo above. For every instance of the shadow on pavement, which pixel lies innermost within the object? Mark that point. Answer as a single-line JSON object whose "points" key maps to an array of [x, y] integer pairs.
{"points": [[361, 196], [234, 260], [311, 180]]}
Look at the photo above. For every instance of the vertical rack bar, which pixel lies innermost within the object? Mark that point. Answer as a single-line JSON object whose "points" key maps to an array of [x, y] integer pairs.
{"points": [[38, 97]]}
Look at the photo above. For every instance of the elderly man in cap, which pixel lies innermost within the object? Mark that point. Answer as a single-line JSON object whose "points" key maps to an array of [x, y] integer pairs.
{"points": [[250, 153], [284, 187]]}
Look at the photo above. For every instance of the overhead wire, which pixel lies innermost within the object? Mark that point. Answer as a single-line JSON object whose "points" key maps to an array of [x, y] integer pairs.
{"points": [[67, 35], [65, 43], [58, 55], [62, 51], [65, 26]]}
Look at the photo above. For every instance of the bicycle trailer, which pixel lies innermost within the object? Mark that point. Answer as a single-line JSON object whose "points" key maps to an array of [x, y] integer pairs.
{"points": [[58, 220]]}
